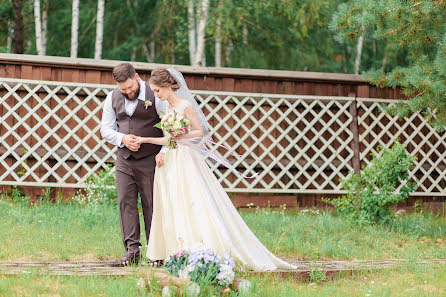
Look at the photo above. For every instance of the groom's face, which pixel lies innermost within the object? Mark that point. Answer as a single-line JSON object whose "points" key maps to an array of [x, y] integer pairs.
{"points": [[130, 88]]}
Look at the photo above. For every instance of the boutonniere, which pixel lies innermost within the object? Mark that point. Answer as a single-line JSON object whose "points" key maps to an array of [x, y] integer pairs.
{"points": [[147, 103]]}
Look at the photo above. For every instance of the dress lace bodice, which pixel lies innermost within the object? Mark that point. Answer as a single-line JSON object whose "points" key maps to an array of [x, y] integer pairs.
{"points": [[180, 107]]}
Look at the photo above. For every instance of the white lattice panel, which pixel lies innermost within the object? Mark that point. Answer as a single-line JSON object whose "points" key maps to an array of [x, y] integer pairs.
{"points": [[297, 144], [50, 133], [422, 140]]}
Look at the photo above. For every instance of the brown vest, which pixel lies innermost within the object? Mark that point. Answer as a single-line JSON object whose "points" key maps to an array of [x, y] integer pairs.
{"points": [[141, 123]]}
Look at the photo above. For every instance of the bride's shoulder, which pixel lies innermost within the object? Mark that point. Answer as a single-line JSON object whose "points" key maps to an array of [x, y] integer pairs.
{"points": [[185, 103]]}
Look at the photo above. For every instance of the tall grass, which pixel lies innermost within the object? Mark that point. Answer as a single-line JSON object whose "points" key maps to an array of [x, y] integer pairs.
{"points": [[58, 232], [326, 235], [66, 231]]}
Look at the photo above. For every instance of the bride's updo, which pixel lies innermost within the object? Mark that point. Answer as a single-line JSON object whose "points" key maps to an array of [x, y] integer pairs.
{"points": [[161, 77]]}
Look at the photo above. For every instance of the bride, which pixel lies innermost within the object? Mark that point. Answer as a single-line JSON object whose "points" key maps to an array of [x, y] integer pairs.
{"points": [[189, 204]]}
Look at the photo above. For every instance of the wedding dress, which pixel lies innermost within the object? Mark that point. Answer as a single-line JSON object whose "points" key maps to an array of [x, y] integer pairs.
{"points": [[190, 207]]}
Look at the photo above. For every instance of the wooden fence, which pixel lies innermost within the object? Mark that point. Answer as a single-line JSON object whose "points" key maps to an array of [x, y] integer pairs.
{"points": [[301, 131]]}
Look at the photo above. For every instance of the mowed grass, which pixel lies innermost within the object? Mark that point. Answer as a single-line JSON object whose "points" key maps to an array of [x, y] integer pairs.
{"points": [[324, 235], [71, 233], [67, 232], [54, 232]]}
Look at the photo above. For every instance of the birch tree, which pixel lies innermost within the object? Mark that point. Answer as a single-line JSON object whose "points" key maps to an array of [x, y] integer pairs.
{"points": [[74, 29], [9, 39], [192, 31], [44, 26], [139, 30], [152, 50], [359, 51], [218, 43], [359, 47], [197, 19], [99, 29], [202, 17], [38, 27]]}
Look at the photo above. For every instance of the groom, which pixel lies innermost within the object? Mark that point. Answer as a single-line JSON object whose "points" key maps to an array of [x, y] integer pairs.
{"points": [[129, 111]]}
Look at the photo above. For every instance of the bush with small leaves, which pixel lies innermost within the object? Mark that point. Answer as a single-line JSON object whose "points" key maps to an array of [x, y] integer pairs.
{"points": [[381, 184]]}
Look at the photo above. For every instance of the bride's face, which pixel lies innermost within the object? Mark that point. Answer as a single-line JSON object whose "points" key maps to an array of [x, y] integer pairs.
{"points": [[161, 92]]}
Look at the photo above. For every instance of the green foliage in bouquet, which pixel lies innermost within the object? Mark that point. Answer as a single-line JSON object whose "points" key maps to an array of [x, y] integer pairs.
{"points": [[382, 183], [177, 263], [202, 265], [173, 124]]}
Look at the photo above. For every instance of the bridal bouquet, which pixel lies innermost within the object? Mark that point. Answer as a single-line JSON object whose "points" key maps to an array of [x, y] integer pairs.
{"points": [[173, 124], [202, 264]]}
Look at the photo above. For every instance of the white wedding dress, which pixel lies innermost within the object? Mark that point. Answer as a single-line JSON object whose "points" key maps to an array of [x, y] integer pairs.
{"points": [[190, 207]]}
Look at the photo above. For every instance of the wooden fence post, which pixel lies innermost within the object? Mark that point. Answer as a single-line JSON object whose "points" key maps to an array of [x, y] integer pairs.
{"points": [[355, 130]]}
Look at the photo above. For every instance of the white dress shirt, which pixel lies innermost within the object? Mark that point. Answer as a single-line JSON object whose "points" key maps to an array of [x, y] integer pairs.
{"points": [[108, 122]]}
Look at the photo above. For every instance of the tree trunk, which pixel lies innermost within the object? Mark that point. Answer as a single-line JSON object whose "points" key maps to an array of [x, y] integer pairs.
{"points": [[9, 40], [133, 57], [38, 27], [203, 61], [145, 49], [359, 48], [44, 26], [99, 29], [138, 31], [358, 53], [383, 66], [74, 29], [228, 51], [152, 50], [201, 30], [18, 27], [172, 57], [245, 34], [218, 43], [192, 31]]}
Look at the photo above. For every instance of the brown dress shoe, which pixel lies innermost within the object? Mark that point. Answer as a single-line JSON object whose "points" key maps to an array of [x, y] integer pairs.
{"points": [[128, 259]]}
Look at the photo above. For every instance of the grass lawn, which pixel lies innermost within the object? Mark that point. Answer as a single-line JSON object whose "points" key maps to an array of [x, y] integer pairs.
{"points": [[67, 232]]}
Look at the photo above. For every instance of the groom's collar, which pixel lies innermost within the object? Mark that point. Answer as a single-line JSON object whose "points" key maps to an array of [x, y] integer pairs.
{"points": [[142, 90]]}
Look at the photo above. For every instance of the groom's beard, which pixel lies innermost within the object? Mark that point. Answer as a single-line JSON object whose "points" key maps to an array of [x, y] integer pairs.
{"points": [[134, 96]]}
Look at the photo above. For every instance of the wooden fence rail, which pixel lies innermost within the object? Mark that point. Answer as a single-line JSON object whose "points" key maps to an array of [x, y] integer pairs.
{"points": [[299, 144]]}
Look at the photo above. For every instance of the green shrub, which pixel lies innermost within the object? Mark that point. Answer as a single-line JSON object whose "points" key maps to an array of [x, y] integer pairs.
{"points": [[100, 188], [381, 184], [15, 195]]}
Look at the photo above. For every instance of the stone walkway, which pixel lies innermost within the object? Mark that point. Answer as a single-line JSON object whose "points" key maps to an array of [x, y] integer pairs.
{"points": [[304, 268]]}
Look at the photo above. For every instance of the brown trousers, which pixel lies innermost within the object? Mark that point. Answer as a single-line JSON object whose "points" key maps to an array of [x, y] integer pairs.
{"points": [[133, 177]]}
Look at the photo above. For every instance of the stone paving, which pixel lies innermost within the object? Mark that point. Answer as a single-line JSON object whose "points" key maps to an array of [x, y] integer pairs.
{"points": [[304, 267]]}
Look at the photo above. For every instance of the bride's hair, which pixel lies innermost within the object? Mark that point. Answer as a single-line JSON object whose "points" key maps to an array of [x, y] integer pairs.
{"points": [[161, 77]]}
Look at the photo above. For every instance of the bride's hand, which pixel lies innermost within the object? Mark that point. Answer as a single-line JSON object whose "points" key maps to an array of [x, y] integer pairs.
{"points": [[177, 137], [140, 140]]}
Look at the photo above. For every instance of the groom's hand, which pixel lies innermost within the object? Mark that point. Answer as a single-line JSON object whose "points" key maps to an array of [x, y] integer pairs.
{"points": [[131, 142], [159, 159]]}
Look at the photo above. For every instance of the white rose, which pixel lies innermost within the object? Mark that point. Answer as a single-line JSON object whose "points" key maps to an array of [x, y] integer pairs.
{"points": [[177, 125]]}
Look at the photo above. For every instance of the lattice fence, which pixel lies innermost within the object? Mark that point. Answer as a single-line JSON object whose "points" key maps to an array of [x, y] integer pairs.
{"points": [[298, 144], [422, 140]]}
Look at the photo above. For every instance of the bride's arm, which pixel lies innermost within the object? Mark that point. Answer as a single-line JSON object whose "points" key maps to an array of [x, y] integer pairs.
{"points": [[153, 140], [192, 116]]}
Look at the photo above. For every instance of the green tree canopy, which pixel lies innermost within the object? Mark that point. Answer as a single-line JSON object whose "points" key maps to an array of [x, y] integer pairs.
{"points": [[418, 29]]}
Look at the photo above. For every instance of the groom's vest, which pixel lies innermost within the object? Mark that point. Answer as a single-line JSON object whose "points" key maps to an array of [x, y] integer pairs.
{"points": [[141, 123]]}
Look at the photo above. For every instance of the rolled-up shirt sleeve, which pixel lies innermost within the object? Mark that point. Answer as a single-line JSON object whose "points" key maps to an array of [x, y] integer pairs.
{"points": [[108, 123]]}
